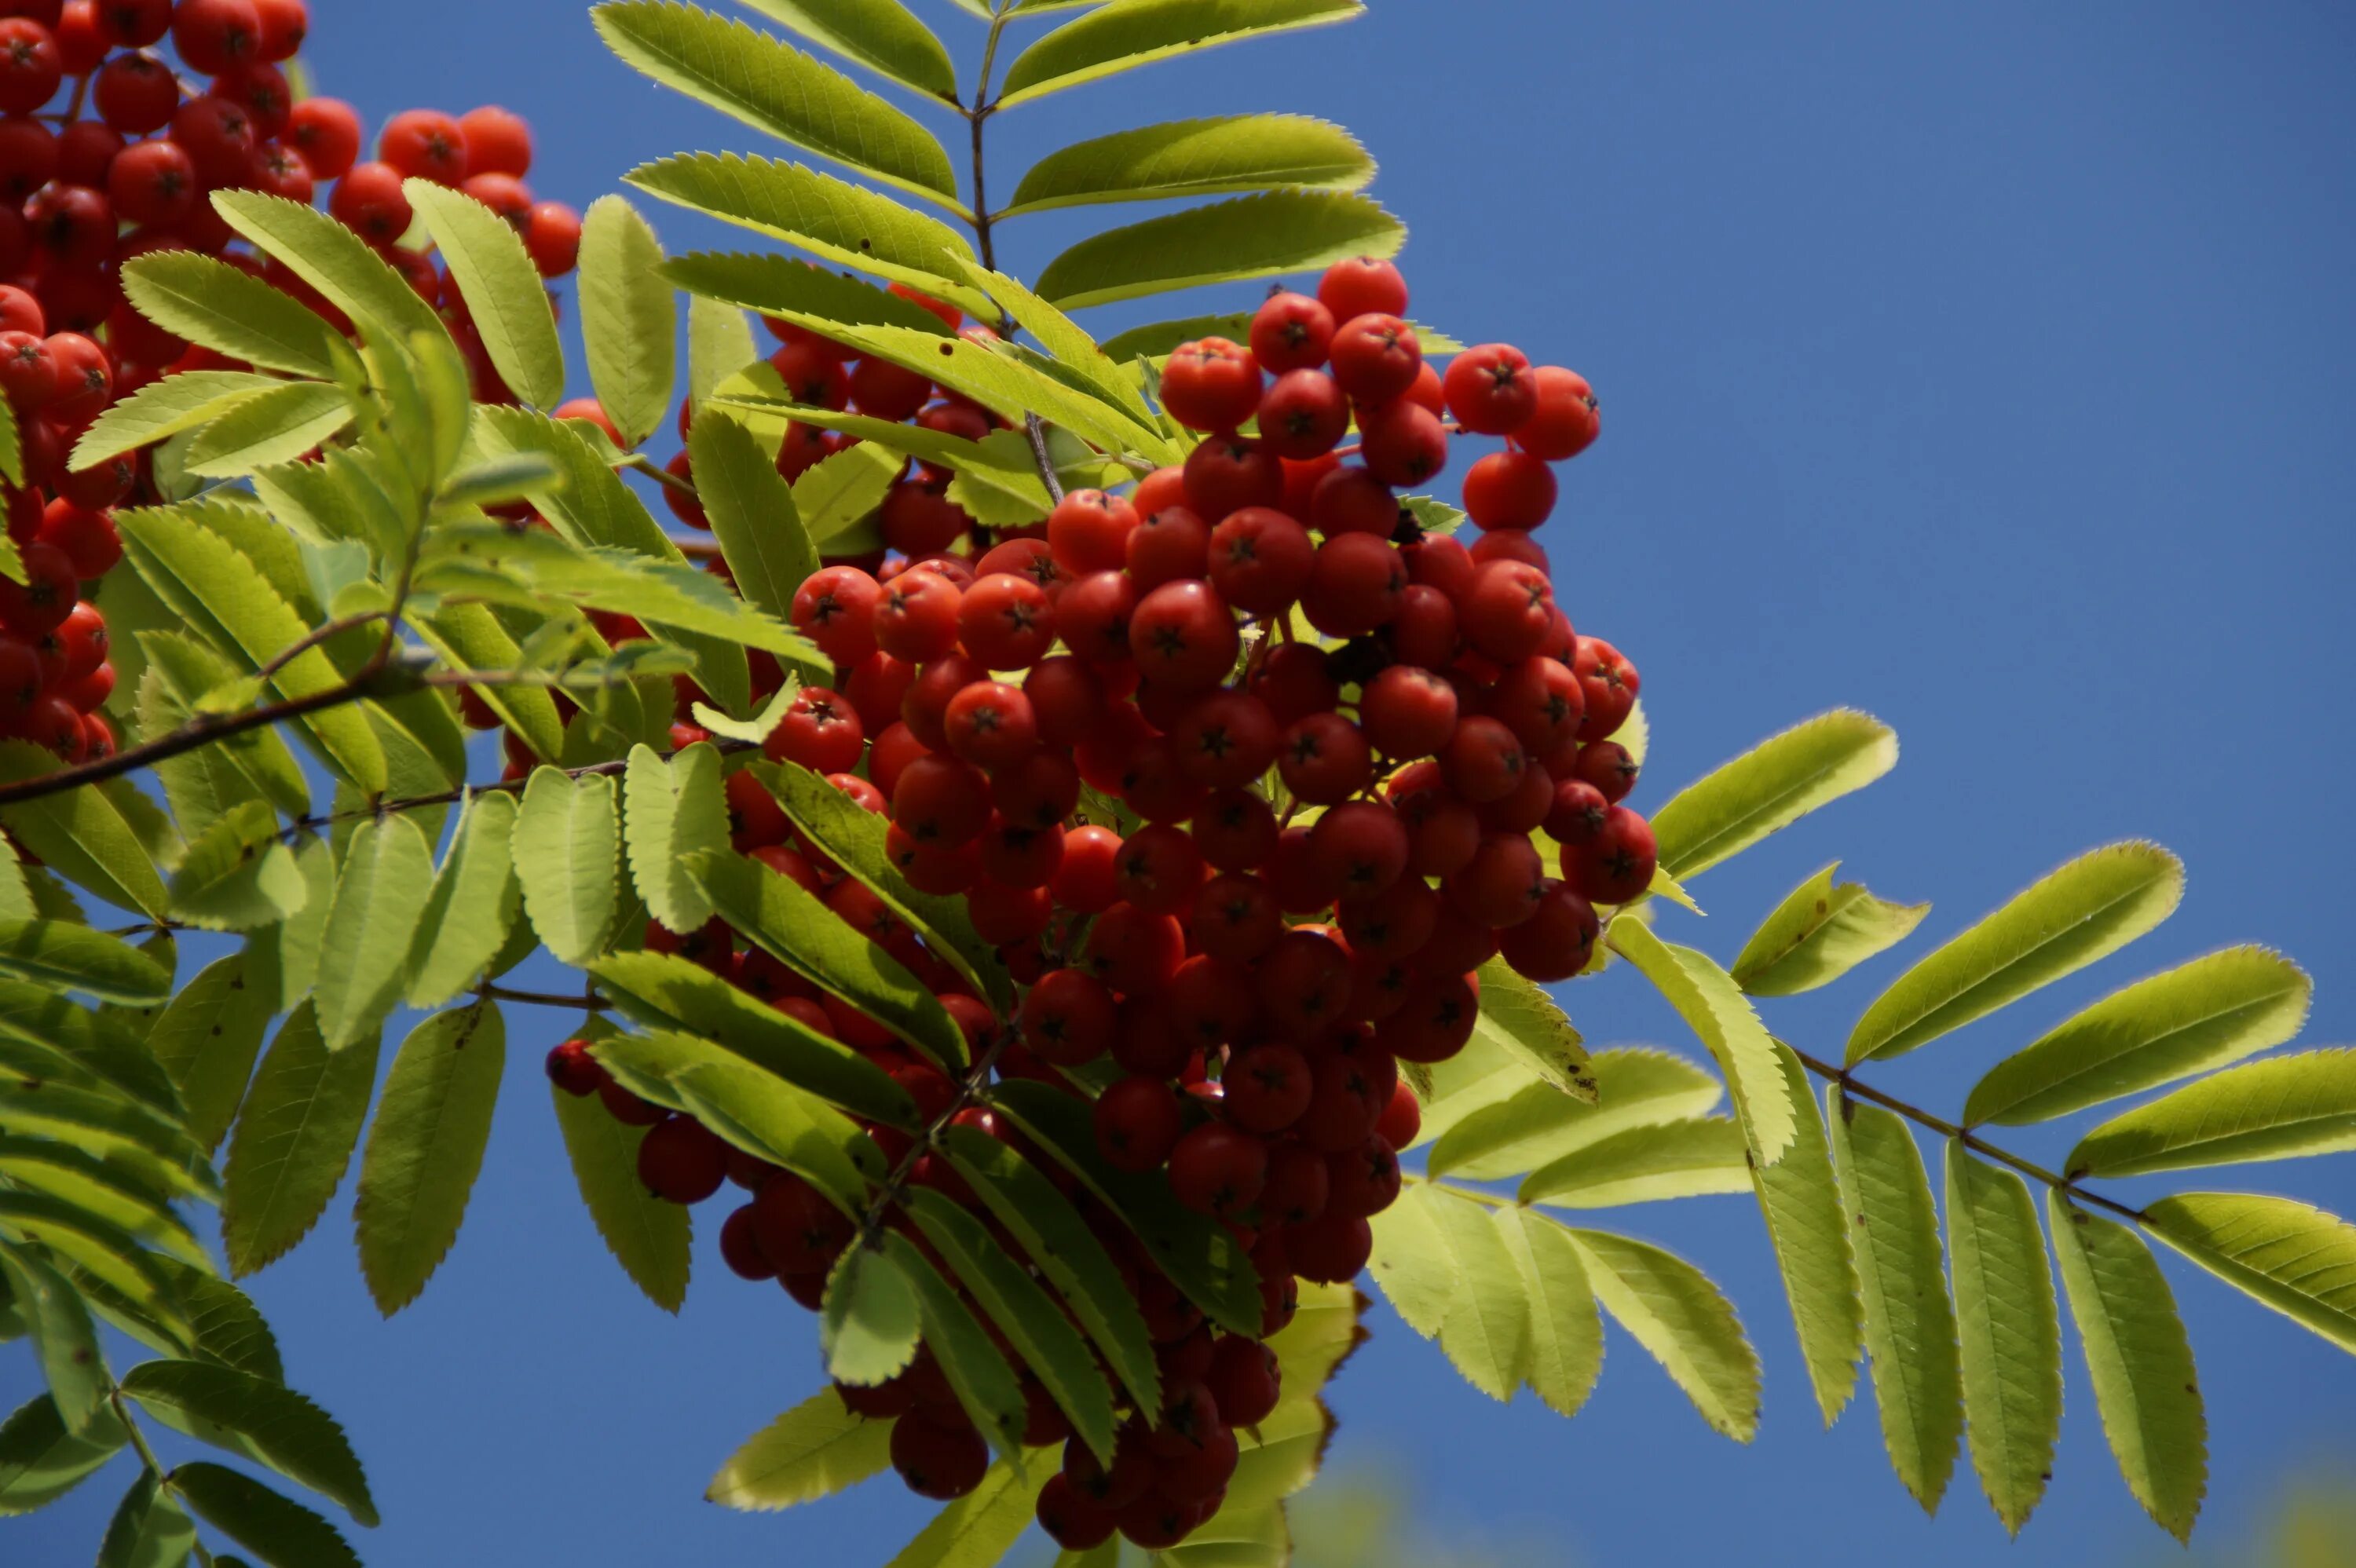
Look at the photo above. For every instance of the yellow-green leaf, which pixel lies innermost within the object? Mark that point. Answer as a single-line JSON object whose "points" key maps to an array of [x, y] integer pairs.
{"points": [[1635, 1087], [2285, 1107], [1246, 237], [1710, 1002], [881, 35], [1564, 1355], [2216, 1009], [473, 905], [647, 1236], [295, 1136], [1232, 152], [1820, 932], [1683, 1321], [567, 846], [2298, 1259], [502, 288], [2141, 1363], [629, 319], [1910, 1324], [1646, 1164], [1127, 34], [386, 881], [1800, 1198], [2008, 1331], [229, 310], [333, 260], [276, 426], [426, 1149], [2068, 919], [1771, 786], [814, 1450]]}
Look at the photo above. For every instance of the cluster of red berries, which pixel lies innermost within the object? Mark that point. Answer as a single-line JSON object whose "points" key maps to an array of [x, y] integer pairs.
{"points": [[1257, 977], [124, 169]]}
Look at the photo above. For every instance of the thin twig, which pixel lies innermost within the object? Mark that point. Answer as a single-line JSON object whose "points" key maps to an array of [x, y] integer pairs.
{"points": [[589, 1004], [1970, 1140], [661, 476], [314, 637], [895, 1185]]}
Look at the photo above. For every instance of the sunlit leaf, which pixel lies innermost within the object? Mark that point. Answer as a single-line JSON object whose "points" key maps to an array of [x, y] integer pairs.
{"points": [[1245, 237], [1708, 1000], [295, 1137], [383, 888], [2009, 1331], [884, 35], [1820, 932], [1683, 1321], [1800, 1199], [502, 288], [567, 846], [1127, 34], [1196, 158], [275, 1424], [647, 1236], [229, 310], [425, 1149], [1771, 786], [814, 1450], [472, 907], [2282, 1108]]}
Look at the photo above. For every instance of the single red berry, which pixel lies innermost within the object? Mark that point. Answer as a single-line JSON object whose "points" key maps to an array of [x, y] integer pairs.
{"points": [[1376, 358], [1511, 490], [425, 143], [680, 1161], [1610, 767], [1138, 1122], [1303, 414], [137, 94], [1617, 864], [1402, 442], [552, 235], [820, 731], [1006, 621], [370, 202], [1609, 684], [284, 25], [1260, 560], [1490, 389], [1290, 331], [1361, 846], [1229, 473], [212, 35], [497, 141], [1355, 586], [1362, 286], [30, 65], [1236, 918], [572, 1069], [990, 725], [835, 610], [1508, 612], [1088, 531], [1567, 420], [1210, 385], [134, 24], [1182, 635], [938, 1461], [1557, 940], [1324, 759], [1216, 1169]]}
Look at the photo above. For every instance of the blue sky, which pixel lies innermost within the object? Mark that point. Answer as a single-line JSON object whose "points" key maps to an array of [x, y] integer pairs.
{"points": [[1989, 370]]}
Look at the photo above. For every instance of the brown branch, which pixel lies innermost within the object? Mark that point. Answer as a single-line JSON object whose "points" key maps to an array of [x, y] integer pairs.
{"points": [[543, 998], [1969, 1139], [895, 1185], [314, 637]]}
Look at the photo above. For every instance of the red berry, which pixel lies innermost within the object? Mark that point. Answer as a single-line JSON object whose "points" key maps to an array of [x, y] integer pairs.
{"points": [[284, 25], [1508, 612], [1210, 385], [1324, 759], [990, 725], [1138, 1122], [1609, 684], [1088, 531], [1227, 473], [1260, 560], [820, 731], [552, 235], [1361, 286], [212, 35], [30, 65], [1216, 1169], [425, 143], [1509, 490], [1502, 885], [368, 200], [497, 143], [1557, 940], [572, 1069], [1610, 767], [1490, 389], [1182, 635], [1290, 331], [680, 1161], [940, 1462], [1402, 442], [1566, 422], [1006, 622], [154, 183], [135, 93], [1617, 864], [41, 603], [1168, 543], [1361, 846], [134, 24], [1354, 587], [835, 610], [1303, 414]]}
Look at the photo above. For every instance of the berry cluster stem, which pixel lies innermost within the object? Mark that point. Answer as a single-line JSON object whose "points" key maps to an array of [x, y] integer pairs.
{"points": [[968, 1093]]}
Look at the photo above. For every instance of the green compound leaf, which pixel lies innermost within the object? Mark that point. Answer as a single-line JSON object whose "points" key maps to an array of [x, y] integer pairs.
{"points": [[647, 1236], [256, 1418], [1634, 1086], [505, 296], [144, 1144], [1708, 1000], [843, 488], [1771, 786], [853, 836], [795, 927], [76, 958], [473, 906], [66, 1343], [751, 508], [1248, 236], [1052, 1233], [814, 1450], [40, 1460], [272, 427], [978, 1372], [148, 1530], [881, 35], [2283, 1108], [2141, 1363], [383, 888], [2298, 1259], [1910, 1324], [237, 875], [2009, 1331], [166, 407], [1516, 1014], [101, 1191], [1032, 1320], [774, 88], [1200, 1256], [1646, 1164], [833, 219], [1127, 34], [1232, 154], [224, 597], [1564, 1354], [868, 1325], [81, 835], [295, 1137], [230, 311], [1683, 1321], [278, 1530], [671, 810], [629, 319], [2083, 911], [567, 846], [1818, 934], [1485, 1329], [1799, 1196], [105, 1262], [664, 991], [426, 1150], [335, 261], [2213, 1011]]}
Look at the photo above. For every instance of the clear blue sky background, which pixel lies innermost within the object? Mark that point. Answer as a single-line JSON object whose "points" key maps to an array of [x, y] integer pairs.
{"points": [[1988, 368]]}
